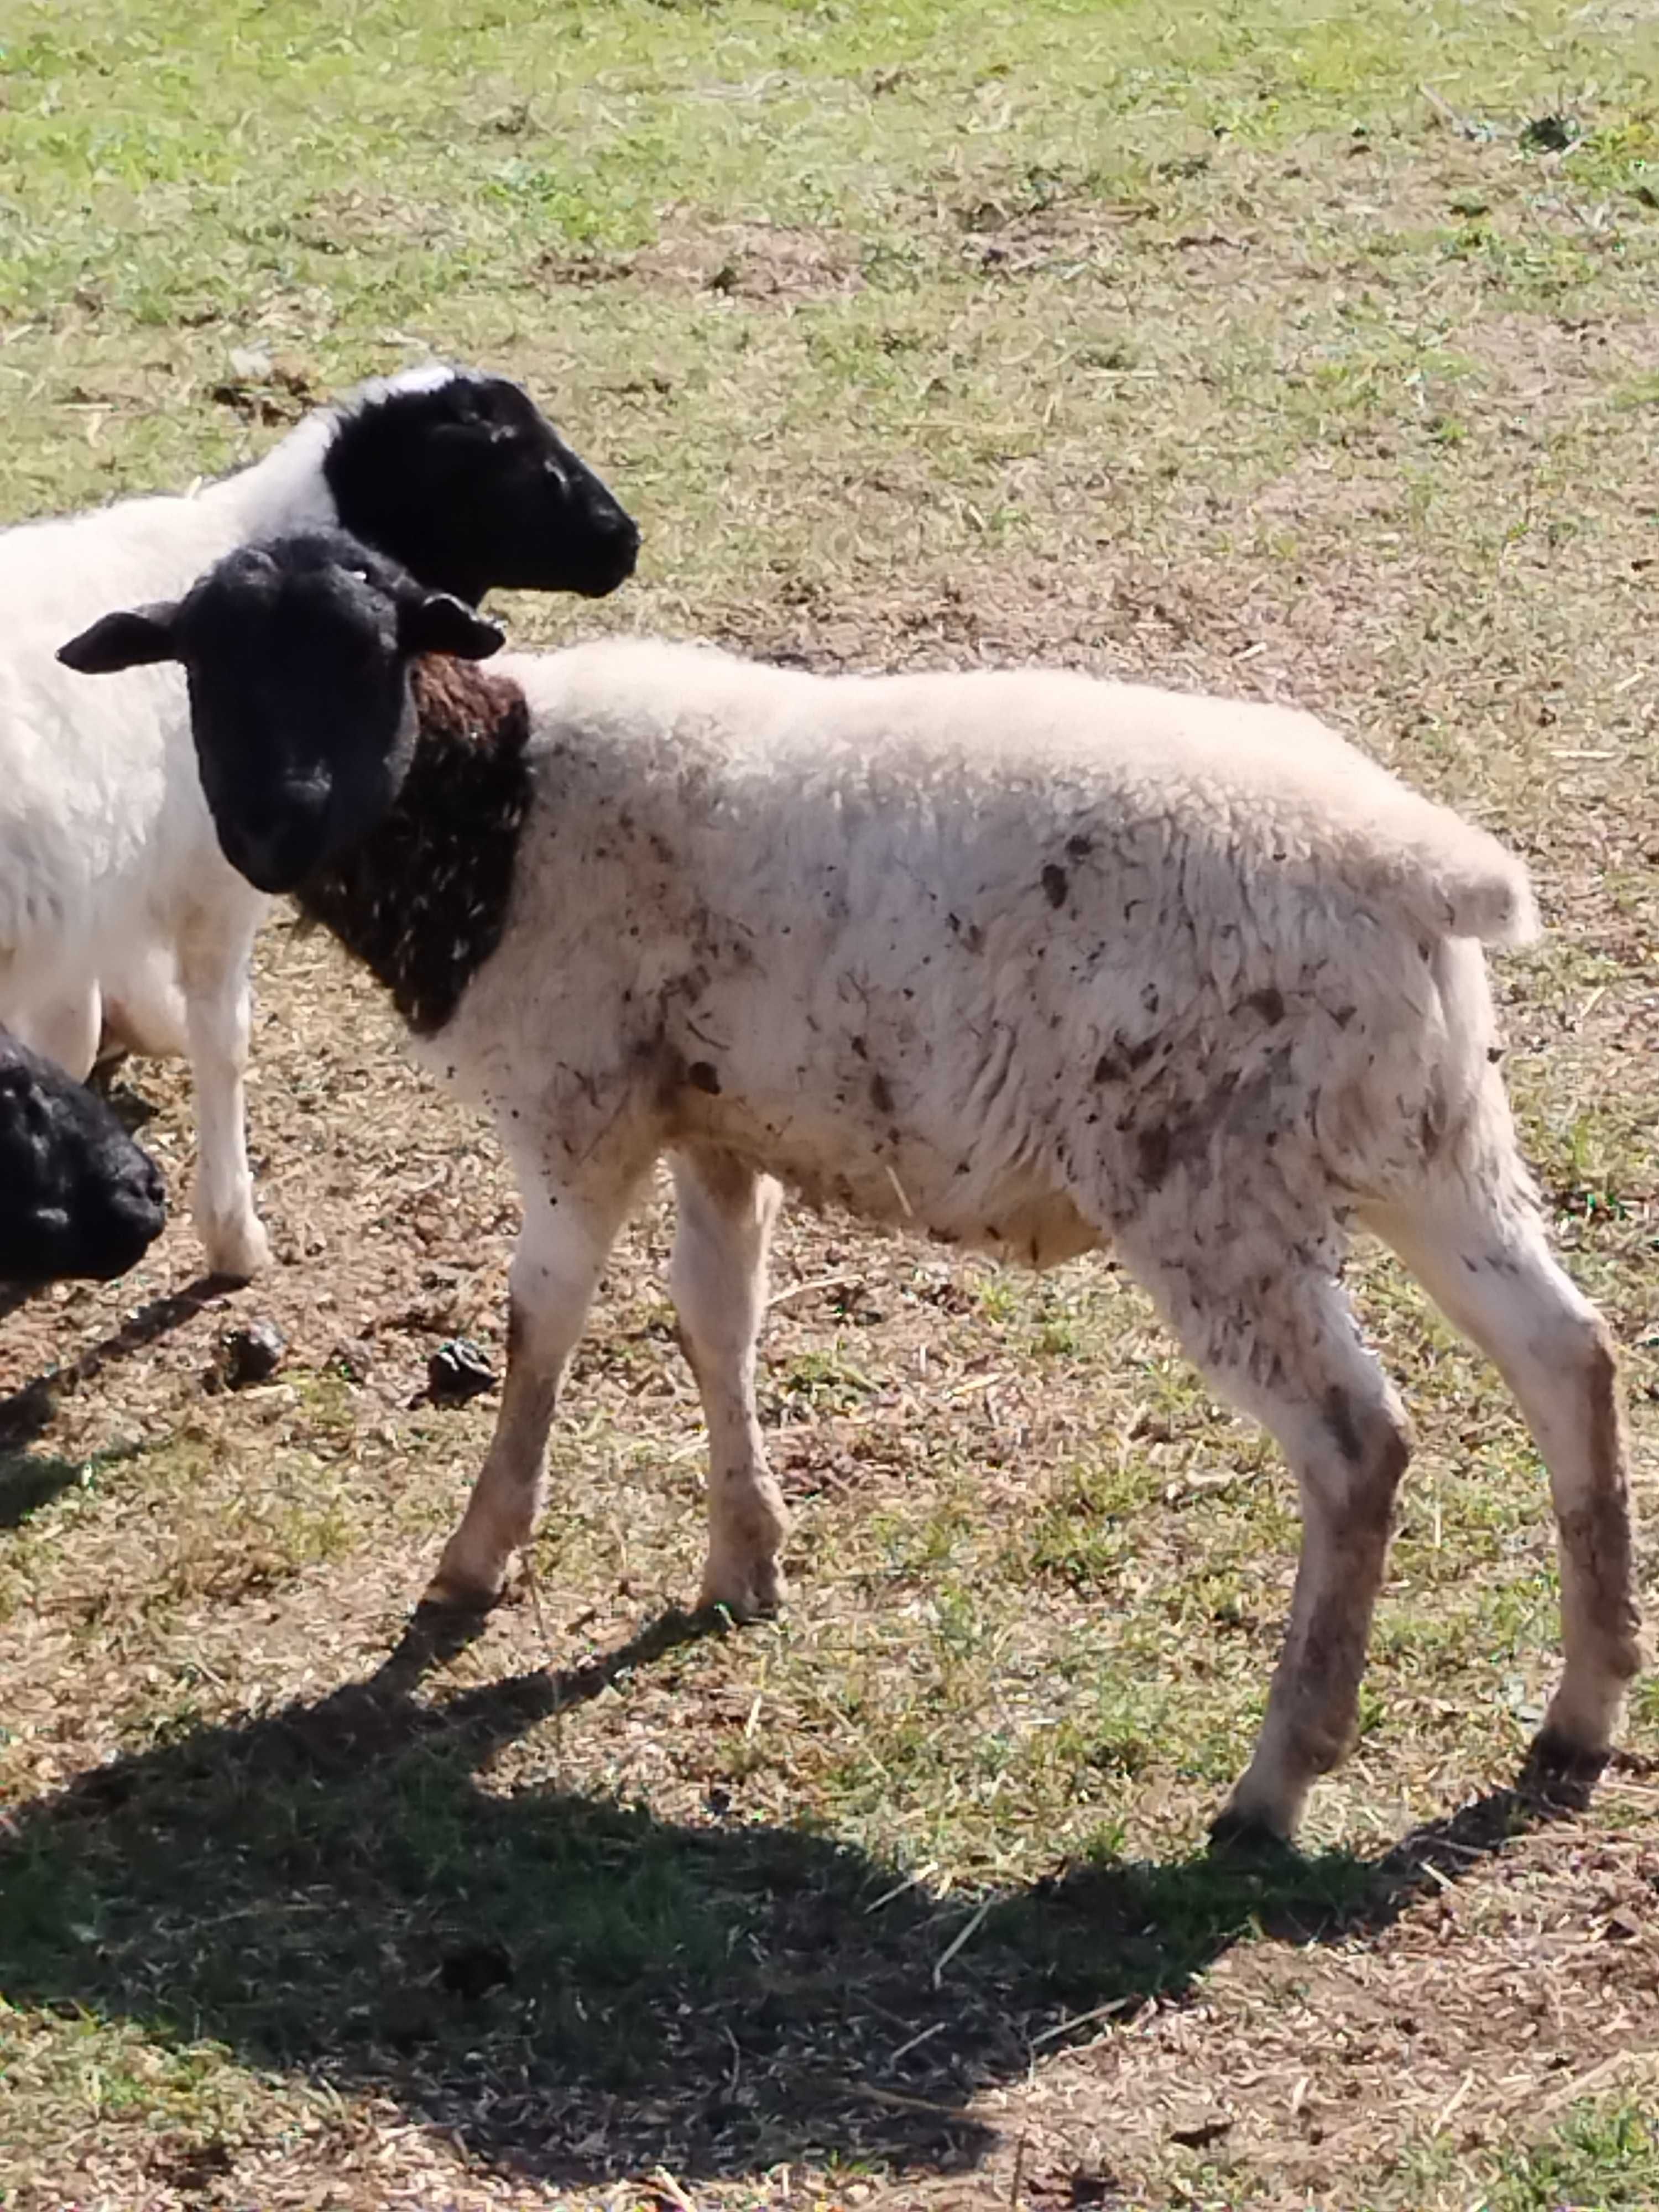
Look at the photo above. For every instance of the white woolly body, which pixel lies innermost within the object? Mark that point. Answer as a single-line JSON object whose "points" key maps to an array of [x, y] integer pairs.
{"points": [[1001, 955], [104, 835]]}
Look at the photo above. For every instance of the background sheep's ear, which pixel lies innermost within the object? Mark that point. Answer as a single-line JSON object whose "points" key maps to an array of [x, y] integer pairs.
{"points": [[435, 623], [130, 640]]}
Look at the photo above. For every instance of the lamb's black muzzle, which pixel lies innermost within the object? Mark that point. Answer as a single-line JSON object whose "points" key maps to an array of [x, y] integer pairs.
{"points": [[279, 846], [116, 1236], [77, 1197], [614, 544]]}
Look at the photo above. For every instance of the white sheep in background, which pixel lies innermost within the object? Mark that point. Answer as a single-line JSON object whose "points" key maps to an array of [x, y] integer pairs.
{"points": [[116, 905], [1032, 963]]}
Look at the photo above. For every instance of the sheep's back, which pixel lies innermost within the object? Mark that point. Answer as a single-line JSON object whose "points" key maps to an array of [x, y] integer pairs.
{"points": [[1019, 770], [954, 947]]}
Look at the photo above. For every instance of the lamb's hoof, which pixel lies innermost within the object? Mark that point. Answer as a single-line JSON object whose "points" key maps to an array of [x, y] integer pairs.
{"points": [[432, 1637], [237, 1254], [1246, 1835], [1558, 1771], [451, 1595], [755, 1595], [440, 1632]]}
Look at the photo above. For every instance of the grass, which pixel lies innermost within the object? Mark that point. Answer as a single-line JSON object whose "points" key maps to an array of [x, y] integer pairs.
{"points": [[1291, 352]]}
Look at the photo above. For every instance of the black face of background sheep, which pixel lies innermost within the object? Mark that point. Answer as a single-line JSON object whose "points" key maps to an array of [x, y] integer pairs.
{"points": [[301, 746], [467, 484], [77, 1197]]}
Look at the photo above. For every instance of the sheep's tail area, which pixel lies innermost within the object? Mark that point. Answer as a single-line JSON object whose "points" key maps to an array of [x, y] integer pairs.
{"points": [[1454, 880], [1462, 890]]}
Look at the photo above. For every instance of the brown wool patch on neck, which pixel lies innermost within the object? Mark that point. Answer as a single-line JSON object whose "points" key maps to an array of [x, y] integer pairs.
{"points": [[422, 900], [460, 703]]}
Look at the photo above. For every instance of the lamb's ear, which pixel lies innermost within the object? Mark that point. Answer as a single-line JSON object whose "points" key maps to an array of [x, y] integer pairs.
{"points": [[132, 639], [433, 622]]}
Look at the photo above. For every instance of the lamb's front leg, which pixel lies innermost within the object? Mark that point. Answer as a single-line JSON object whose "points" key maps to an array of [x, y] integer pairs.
{"points": [[726, 1212], [556, 1269]]}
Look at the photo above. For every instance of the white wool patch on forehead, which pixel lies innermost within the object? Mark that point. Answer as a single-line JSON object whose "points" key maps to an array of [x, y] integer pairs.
{"points": [[317, 431], [426, 376]]}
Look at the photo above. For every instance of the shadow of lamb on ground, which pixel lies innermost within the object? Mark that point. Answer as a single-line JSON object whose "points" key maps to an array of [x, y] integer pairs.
{"points": [[577, 1990]]}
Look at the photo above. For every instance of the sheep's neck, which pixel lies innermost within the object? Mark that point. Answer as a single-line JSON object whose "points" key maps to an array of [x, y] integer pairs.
{"points": [[423, 901]]}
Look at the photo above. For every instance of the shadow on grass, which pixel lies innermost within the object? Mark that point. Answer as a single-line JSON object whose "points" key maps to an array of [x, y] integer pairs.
{"points": [[28, 1483], [29, 1411], [577, 1989]]}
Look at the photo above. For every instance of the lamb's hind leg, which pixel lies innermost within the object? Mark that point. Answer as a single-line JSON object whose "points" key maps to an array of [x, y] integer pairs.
{"points": [[556, 1269], [1475, 1242], [1276, 1337], [726, 1212]]}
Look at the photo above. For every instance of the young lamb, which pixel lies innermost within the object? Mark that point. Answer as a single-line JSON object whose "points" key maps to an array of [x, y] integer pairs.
{"points": [[77, 1197], [1030, 961], [116, 907]]}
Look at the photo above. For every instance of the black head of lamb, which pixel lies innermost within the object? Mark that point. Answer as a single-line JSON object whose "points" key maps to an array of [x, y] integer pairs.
{"points": [[297, 653], [77, 1197], [458, 476]]}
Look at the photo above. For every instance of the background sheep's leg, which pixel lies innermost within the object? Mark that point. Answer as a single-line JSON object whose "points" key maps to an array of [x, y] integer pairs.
{"points": [[556, 1269], [144, 1006], [1478, 1247], [726, 1212], [214, 969], [63, 1026], [1276, 1337]]}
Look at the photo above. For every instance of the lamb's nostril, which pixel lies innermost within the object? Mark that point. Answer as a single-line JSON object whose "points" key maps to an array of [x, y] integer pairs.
{"points": [[618, 546], [274, 846]]}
